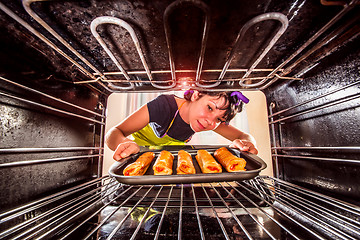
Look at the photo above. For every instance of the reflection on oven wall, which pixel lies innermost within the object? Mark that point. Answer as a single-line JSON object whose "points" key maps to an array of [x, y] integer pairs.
{"points": [[253, 119]]}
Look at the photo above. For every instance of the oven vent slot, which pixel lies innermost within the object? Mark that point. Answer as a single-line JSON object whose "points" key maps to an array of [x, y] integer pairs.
{"points": [[263, 208]]}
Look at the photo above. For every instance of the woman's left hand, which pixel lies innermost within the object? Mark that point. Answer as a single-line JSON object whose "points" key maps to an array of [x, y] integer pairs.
{"points": [[244, 145]]}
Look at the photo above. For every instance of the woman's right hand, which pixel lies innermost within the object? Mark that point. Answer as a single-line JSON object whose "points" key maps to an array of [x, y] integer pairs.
{"points": [[125, 149]]}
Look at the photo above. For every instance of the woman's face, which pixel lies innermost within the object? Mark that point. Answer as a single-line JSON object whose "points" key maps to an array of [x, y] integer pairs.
{"points": [[205, 113]]}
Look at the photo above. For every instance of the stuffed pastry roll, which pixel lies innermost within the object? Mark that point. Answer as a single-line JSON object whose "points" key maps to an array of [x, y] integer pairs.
{"points": [[229, 161], [185, 164], [164, 163], [207, 163], [140, 166]]}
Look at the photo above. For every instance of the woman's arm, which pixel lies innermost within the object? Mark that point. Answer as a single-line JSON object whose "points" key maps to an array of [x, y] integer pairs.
{"points": [[241, 140], [116, 138]]}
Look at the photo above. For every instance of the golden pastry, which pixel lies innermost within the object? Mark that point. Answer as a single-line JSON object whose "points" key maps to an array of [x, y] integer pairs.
{"points": [[229, 161], [207, 163], [185, 164], [140, 166], [163, 164]]}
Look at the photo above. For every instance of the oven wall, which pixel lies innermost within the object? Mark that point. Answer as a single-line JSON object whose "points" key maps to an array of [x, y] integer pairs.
{"points": [[327, 129], [46, 145]]}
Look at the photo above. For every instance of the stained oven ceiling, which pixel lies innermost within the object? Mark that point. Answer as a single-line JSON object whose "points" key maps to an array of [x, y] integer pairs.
{"points": [[118, 46]]}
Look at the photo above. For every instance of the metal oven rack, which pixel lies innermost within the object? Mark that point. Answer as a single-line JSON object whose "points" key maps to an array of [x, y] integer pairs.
{"points": [[106, 79], [262, 208]]}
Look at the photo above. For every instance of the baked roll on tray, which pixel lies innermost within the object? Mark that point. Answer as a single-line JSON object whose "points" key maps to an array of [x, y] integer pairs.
{"points": [[140, 166], [229, 161], [207, 163], [163, 164], [185, 164]]}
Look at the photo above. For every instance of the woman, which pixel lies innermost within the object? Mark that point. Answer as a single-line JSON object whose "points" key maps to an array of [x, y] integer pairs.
{"points": [[170, 120]]}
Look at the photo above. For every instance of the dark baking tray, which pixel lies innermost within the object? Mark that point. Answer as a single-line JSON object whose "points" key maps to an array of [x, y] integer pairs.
{"points": [[253, 167]]}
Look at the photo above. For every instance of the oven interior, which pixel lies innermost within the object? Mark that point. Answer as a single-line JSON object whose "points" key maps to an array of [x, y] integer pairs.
{"points": [[61, 60]]}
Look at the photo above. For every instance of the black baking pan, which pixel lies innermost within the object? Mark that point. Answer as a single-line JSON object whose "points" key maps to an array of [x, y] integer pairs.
{"points": [[253, 167]]}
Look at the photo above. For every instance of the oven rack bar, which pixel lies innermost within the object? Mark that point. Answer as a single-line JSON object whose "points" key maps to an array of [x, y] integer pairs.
{"points": [[309, 210], [49, 160], [102, 122], [51, 97], [326, 105], [16, 212], [273, 205], [52, 149], [347, 8], [64, 210], [313, 99], [355, 148], [101, 79], [319, 158]]}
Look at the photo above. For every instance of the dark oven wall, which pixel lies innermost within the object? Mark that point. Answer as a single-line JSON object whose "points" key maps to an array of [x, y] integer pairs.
{"points": [[51, 133], [316, 123]]}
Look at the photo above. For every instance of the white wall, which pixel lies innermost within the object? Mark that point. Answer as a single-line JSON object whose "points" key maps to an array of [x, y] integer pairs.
{"points": [[253, 119]]}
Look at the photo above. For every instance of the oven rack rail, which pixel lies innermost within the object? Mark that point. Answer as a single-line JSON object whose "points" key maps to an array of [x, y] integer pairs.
{"points": [[276, 209], [259, 83]]}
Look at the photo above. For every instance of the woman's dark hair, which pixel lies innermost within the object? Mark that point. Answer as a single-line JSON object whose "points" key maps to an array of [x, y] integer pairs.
{"points": [[232, 104]]}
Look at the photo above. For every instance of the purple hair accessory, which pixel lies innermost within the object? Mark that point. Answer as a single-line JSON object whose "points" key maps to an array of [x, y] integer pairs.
{"points": [[188, 92], [240, 97]]}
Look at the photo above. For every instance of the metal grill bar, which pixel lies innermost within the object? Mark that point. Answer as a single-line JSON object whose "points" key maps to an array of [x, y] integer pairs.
{"points": [[326, 199], [338, 101], [233, 70], [279, 210], [71, 206], [318, 208], [180, 212], [318, 148], [345, 10], [50, 108], [284, 25], [312, 214], [112, 20], [215, 213], [197, 214], [43, 215], [146, 213], [231, 211], [313, 99], [43, 150], [88, 204], [51, 160], [316, 221], [95, 229], [163, 214], [321, 159], [127, 215], [258, 207], [8, 215], [44, 39], [266, 16], [51, 97], [27, 7], [293, 209], [251, 215]]}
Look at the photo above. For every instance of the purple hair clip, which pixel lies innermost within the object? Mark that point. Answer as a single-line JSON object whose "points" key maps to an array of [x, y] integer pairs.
{"points": [[188, 92], [240, 97]]}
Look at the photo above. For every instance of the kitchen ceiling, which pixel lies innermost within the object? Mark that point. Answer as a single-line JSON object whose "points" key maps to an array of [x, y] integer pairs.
{"points": [[202, 44]]}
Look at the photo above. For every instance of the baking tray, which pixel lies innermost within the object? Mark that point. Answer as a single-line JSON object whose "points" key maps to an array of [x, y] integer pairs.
{"points": [[253, 167]]}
